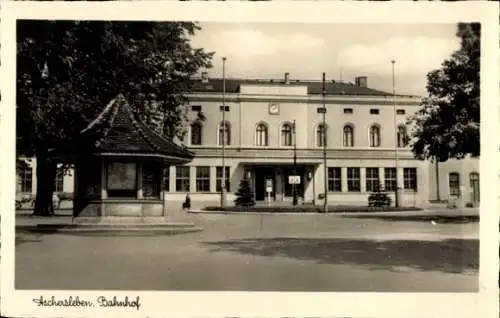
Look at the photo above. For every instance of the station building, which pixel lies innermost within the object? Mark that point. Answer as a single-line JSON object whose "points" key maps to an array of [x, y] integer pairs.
{"points": [[267, 121]]}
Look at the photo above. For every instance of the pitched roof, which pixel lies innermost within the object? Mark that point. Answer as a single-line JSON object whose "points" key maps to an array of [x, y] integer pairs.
{"points": [[215, 85], [117, 130]]}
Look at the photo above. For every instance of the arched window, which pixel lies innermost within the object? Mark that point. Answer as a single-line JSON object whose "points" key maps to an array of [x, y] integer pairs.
{"points": [[321, 136], [374, 136], [348, 136], [402, 137], [262, 138], [286, 134], [225, 133], [196, 133], [454, 183]]}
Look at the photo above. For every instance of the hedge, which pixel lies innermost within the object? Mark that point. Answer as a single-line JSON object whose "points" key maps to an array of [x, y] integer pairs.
{"points": [[309, 209]]}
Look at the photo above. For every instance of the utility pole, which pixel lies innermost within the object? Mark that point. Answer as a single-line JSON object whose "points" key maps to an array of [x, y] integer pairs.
{"points": [[294, 163], [396, 154], [325, 201], [224, 132]]}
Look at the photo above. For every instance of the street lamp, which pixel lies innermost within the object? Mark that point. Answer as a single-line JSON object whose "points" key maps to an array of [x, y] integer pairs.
{"points": [[396, 155], [223, 108], [294, 163]]}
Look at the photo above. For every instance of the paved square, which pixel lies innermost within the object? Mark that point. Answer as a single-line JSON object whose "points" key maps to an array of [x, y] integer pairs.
{"points": [[259, 253]]}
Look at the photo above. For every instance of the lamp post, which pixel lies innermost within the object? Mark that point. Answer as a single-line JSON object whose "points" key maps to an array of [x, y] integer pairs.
{"points": [[396, 154], [294, 163], [325, 201], [223, 108]]}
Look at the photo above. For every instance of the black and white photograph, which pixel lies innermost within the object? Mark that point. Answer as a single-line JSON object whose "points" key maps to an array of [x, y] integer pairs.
{"points": [[196, 155]]}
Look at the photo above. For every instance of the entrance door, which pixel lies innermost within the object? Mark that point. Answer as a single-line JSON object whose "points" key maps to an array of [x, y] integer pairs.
{"points": [[261, 175], [474, 184]]}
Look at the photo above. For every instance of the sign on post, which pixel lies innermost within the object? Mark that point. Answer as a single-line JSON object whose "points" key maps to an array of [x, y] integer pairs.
{"points": [[269, 190], [293, 179]]}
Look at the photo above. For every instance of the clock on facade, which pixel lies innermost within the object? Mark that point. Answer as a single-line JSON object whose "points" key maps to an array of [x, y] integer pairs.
{"points": [[274, 109]]}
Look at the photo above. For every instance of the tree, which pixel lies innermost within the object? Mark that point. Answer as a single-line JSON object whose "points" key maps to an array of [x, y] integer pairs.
{"points": [[244, 195], [447, 125], [67, 71]]}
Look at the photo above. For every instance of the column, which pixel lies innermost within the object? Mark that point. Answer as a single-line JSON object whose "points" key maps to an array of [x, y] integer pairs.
{"points": [[104, 191], [171, 179], [362, 178], [192, 179], [139, 181], [343, 180], [213, 179], [381, 177]]}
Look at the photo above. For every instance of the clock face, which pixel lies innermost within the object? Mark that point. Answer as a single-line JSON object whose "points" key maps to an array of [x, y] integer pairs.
{"points": [[274, 109]]}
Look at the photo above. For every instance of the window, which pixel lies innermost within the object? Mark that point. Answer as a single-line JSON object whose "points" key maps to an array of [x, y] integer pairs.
{"points": [[400, 112], [390, 179], [26, 179], [196, 134], [374, 136], [474, 184], [151, 180], [262, 138], [372, 179], [286, 135], [410, 179], [321, 136], [59, 180], [224, 108], [348, 111], [348, 136], [166, 178], [402, 137], [454, 183], [334, 179], [225, 131], [122, 179], [182, 179], [374, 111], [202, 179], [196, 108], [219, 178], [353, 180]]}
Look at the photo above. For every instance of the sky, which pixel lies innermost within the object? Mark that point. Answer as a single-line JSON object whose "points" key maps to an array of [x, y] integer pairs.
{"points": [[343, 51]]}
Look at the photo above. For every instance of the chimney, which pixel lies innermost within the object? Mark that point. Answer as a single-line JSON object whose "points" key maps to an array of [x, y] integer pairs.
{"points": [[287, 78], [361, 81], [204, 77]]}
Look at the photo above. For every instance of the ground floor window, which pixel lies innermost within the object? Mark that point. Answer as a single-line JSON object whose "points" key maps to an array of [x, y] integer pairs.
{"points": [[151, 180], [26, 179], [334, 179], [59, 180], [353, 180], [122, 180], [390, 179], [410, 179], [372, 179], [454, 184], [474, 184], [202, 179], [182, 179], [219, 178]]}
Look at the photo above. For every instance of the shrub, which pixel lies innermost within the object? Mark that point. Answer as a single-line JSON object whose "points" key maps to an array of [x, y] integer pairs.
{"points": [[379, 198], [244, 195]]}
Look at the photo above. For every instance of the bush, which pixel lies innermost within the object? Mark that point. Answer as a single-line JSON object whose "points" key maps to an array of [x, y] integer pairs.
{"points": [[379, 198], [244, 195], [308, 209]]}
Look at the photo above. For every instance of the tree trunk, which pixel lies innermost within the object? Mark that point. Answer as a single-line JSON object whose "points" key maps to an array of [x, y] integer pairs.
{"points": [[438, 194], [45, 174]]}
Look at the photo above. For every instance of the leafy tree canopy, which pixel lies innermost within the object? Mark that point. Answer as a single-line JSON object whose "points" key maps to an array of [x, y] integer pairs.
{"points": [[67, 71], [447, 125]]}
